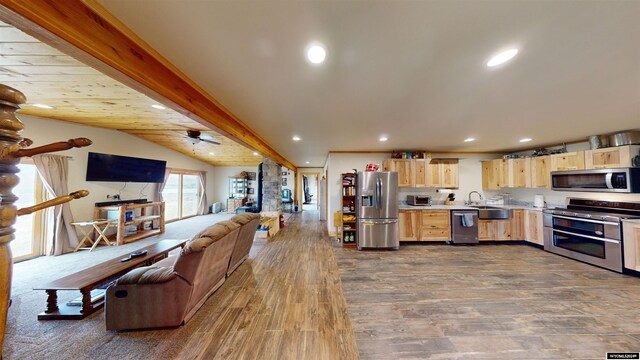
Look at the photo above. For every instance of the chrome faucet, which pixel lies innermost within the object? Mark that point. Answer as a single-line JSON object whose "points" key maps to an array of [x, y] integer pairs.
{"points": [[470, 202]]}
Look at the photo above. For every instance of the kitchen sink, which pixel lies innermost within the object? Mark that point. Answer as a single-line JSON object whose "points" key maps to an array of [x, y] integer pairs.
{"points": [[493, 213]]}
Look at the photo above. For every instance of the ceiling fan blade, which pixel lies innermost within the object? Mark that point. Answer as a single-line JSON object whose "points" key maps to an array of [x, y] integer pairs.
{"points": [[210, 141], [193, 140]]}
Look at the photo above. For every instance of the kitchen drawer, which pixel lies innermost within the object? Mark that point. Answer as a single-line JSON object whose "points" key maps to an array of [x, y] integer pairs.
{"points": [[428, 234]]}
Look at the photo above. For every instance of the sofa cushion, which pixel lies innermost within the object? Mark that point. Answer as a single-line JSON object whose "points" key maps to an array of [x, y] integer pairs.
{"points": [[213, 230], [207, 237], [231, 225], [244, 218], [147, 275]]}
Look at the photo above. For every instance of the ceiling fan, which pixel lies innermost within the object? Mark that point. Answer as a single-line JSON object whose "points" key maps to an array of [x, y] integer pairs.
{"points": [[195, 137]]}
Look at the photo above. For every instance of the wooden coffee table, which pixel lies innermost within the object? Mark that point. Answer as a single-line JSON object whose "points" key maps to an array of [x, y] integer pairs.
{"points": [[95, 276]]}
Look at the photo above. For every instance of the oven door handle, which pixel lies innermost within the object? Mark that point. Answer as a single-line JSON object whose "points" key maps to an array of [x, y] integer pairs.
{"points": [[586, 220], [587, 236]]}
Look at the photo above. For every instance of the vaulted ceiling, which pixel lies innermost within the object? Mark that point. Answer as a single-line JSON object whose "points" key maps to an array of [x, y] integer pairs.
{"points": [[411, 70], [82, 95]]}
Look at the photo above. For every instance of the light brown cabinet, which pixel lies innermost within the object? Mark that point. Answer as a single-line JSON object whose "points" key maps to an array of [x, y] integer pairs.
{"points": [[435, 225], [494, 174], [233, 204], [567, 161], [533, 172], [494, 230], [533, 228], [519, 172], [441, 173], [409, 225], [631, 233], [404, 168], [510, 229], [420, 172], [621, 156], [541, 172]]}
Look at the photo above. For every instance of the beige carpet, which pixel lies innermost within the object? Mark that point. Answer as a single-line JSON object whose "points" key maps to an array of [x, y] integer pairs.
{"points": [[28, 338]]}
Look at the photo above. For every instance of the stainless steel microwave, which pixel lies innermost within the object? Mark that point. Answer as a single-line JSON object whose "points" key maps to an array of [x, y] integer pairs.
{"points": [[623, 180]]}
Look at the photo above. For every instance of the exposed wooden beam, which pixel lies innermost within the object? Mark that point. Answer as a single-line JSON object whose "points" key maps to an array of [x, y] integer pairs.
{"points": [[85, 31]]}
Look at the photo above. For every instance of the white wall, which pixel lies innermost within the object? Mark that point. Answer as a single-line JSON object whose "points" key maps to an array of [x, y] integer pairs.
{"points": [[220, 177], [43, 131]]}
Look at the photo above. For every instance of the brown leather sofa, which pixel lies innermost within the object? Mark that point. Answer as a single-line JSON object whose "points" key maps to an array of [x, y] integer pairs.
{"points": [[170, 292], [249, 223]]}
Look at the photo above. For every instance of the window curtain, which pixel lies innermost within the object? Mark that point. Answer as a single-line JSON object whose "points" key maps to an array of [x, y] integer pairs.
{"points": [[54, 171], [157, 193], [203, 207]]}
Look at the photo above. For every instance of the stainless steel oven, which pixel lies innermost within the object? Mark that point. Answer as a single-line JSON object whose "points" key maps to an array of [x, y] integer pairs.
{"points": [[597, 242]]}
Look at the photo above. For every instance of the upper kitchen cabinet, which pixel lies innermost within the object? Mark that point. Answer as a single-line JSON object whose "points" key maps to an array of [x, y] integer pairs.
{"points": [[443, 173], [541, 172], [404, 168], [420, 172], [519, 173], [568, 161], [613, 157], [494, 174]]}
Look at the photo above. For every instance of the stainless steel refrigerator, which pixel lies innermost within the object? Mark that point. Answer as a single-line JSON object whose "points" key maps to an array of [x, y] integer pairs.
{"points": [[377, 210]]}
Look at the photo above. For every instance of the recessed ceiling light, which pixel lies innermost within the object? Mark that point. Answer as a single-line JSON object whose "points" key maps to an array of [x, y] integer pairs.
{"points": [[383, 138], [306, 162], [469, 139], [296, 138], [255, 153], [502, 57], [316, 53], [42, 106], [159, 107], [211, 153], [525, 139]]}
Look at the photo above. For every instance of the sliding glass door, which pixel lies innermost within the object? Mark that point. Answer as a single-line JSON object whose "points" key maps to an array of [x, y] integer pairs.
{"points": [[28, 240], [181, 195]]}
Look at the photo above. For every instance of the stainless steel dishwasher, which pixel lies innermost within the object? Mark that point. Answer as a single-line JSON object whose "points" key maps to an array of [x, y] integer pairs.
{"points": [[464, 226]]}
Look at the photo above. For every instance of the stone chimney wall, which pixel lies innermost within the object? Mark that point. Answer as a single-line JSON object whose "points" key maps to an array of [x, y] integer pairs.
{"points": [[271, 186]]}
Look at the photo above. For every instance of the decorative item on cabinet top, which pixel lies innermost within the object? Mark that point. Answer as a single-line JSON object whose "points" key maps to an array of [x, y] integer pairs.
{"points": [[410, 154]]}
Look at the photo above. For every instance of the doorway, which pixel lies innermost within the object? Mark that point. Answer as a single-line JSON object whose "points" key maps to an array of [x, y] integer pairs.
{"points": [[309, 190]]}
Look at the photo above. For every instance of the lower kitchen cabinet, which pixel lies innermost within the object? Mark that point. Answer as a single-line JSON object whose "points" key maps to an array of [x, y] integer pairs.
{"points": [[409, 225], [435, 225], [631, 233], [494, 230], [517, 225], [533, 227], [511, 229]]}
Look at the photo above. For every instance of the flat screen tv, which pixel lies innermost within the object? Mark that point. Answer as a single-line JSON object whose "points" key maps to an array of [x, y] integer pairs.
{"points": [[106, 167]]}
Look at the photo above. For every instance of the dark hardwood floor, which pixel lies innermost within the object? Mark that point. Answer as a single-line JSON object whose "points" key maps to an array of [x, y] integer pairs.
{"points": [[299, 296], [486, 302]]}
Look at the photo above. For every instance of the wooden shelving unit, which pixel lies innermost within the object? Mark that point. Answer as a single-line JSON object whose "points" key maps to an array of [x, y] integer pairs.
{"points": [[157, 221], [348, 219]]}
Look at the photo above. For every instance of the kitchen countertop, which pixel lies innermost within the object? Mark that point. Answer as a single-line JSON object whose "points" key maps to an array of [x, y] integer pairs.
{"points": [[464, 207]]}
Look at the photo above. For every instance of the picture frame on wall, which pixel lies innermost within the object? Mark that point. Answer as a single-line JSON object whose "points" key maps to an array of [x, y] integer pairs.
{"points": [[250, 191], [285, 173], [251, 175], [284, 182]]}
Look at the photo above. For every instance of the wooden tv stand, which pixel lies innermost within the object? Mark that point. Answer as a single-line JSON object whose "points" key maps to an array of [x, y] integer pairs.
{"points": [[121, 239]]}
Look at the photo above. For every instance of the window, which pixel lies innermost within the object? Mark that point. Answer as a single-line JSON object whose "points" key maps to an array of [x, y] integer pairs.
{"points": [[181, 195], [28, 236]]}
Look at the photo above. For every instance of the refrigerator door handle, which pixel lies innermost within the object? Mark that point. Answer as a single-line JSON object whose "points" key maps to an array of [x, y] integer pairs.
{"points": [[378, 193], [378, 222]]}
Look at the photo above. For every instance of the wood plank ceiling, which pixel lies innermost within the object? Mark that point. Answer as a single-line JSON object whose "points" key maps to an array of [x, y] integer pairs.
{"points": [[82, 95]]}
